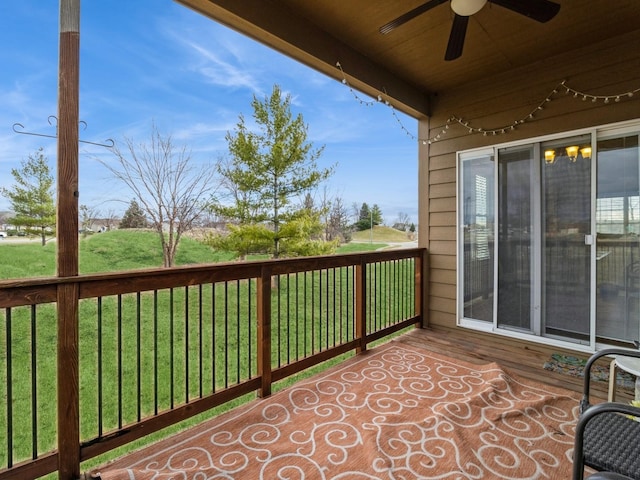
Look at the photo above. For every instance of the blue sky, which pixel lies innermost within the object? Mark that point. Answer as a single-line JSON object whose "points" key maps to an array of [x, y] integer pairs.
{"points": [[147, 61]]}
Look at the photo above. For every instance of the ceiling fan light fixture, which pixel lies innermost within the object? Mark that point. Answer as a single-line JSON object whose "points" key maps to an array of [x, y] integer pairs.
{"points": [[466, 8]]}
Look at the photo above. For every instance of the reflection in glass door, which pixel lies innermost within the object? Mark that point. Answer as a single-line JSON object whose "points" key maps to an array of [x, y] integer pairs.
{"points": [[566, 248], [515, 224], [477, 236], [618, 240]]}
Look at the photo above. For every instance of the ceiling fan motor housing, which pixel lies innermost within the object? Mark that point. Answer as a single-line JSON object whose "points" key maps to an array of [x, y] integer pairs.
{"points": [[466, 8], [539, 10]]}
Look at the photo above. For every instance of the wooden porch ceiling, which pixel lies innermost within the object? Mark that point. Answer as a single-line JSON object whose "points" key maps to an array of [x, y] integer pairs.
{"points": [[408, 63]]}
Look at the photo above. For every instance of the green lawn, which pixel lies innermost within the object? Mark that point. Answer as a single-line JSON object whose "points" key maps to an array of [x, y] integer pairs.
{"points": [[116, 251], [380, 234]]}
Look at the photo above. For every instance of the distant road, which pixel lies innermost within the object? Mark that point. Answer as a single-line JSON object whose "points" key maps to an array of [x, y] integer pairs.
{"points": [[20, 240], [398, 245]]}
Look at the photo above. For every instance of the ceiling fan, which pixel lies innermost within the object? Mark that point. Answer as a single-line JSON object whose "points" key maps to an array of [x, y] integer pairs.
{"points": [[539, 10]]}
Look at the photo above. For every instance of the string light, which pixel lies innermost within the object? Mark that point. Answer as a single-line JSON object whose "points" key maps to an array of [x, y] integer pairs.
{"points": [[454, 119], [361, 100], [594, 98]]}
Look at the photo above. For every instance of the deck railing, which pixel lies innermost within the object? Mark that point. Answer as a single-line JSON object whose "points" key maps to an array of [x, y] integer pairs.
{"points": [[155, 347]]}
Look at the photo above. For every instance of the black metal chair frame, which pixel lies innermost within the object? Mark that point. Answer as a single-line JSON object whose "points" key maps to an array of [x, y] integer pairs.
{"points": [[606, 439]]}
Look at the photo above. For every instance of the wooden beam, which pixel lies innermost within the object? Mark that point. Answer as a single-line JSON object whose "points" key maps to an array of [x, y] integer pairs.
{"points": [[270, 23], [68, 118], [67, 241]]}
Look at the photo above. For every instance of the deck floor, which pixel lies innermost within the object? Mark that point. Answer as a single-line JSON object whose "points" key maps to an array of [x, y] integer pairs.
{"points": [[526, 360]]}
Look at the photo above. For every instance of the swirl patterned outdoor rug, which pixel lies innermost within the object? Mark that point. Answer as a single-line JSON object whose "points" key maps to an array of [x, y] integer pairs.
{"points": [[396, 412]]}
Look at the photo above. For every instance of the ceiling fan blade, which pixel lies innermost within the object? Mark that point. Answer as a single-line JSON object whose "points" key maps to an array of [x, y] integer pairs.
{"points": [[456, 38], [410, 15], [540, 10]]}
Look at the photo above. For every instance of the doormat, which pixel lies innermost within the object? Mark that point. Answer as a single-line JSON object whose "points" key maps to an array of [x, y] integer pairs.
{"points": [[574, 366]]}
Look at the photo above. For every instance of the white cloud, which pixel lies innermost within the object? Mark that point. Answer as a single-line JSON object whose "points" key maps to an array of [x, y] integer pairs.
{"points": [[218, 71]]}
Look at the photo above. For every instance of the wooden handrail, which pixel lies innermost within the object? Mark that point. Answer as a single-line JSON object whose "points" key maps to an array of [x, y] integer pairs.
{"points": [[66, 292]]}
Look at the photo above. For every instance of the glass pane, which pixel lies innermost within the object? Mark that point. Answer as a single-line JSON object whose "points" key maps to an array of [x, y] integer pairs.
{"points": [[618, 247], [566, 259], [478, 219], [514, 237]]}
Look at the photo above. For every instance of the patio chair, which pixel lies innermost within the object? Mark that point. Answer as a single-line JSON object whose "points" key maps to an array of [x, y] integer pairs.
{"points": [[606, 439]]}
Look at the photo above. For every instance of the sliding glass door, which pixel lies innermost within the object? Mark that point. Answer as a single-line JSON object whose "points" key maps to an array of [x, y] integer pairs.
{"points": [[618, 240], [566, 238], [516, 238], [540, 266], [550, 238], [544, 218]]}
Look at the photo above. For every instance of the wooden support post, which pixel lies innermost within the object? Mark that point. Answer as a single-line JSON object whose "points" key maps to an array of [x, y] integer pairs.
{"points": [[421, 293], [68, 384], [67, 241], [68, 118], [264, 331], [361, 306]]}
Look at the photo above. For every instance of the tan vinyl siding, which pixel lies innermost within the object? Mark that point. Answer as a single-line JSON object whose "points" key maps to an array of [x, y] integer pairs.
{"points": [[497, 102]]}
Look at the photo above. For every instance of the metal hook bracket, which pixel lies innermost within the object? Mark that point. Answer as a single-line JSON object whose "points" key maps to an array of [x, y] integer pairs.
{"points": [[19, 128]]}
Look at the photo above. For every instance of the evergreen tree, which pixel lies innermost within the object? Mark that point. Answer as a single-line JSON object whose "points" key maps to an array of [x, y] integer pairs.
{"points": [[268, 171], [134, 217], [368, 217], [376, 213], [32, 195], [364, 218]]}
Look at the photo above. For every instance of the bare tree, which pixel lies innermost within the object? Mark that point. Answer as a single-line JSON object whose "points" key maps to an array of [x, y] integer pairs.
{"points": [[88, 216], [110, 218], [355, 212], [335, 217], [4, 218], [169, 188], [402, 222], [339, 221]]}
